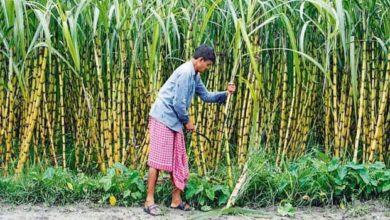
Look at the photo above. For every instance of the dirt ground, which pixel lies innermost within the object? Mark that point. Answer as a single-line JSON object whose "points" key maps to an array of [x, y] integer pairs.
{"points": [[369, 210]]}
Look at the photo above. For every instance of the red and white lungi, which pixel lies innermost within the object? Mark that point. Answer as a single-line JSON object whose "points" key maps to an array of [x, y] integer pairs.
{"points": [[168, 152]]}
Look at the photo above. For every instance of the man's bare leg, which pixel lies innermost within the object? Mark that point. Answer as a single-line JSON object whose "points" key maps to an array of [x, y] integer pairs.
{"points": [[176, 195], [152, 180]]}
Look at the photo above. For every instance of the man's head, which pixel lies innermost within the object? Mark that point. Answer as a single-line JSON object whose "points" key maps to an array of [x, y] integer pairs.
{"points": [[204, 57]]}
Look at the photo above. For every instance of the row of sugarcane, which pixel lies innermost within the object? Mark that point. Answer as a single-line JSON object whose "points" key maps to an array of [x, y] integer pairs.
{"points": [[78, 96]]}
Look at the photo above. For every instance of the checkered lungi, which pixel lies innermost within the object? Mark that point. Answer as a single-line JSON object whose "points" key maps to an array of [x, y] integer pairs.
{"points": [[168, 152]]}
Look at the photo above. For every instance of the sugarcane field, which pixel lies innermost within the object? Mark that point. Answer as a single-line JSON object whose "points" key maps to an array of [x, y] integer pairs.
{"points": [[201, 109]]}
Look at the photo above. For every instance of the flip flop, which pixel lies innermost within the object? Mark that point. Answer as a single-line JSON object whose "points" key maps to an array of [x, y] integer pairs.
{"points": [[153, 210], [182, 206]]}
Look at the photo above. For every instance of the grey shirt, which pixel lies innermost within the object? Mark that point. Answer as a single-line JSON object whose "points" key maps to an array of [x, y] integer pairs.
{"points": [[175, 97]]}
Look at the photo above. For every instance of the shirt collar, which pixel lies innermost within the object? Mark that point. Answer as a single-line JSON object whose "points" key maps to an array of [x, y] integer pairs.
{"points": [[193, 73]]}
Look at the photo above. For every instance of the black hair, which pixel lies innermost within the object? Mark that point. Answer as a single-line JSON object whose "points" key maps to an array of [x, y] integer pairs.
{"points": [[206, 52]]}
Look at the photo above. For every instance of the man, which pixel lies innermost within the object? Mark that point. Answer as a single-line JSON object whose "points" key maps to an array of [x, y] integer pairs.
{"points": [[168, 115]]}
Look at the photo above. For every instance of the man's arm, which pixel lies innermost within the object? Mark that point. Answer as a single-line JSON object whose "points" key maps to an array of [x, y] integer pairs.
{"points": [[205, 95]]}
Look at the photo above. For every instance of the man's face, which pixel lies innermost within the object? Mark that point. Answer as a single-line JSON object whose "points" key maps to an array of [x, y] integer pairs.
{"points": [[204, 65]]}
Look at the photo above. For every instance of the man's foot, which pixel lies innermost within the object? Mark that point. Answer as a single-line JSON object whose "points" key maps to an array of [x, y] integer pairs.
{"points": [[182, 206], [152, 210]]}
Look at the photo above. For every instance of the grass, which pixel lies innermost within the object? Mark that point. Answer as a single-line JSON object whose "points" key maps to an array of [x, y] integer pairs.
{"points": [[56, 186], [358, 211], [313, 180]]}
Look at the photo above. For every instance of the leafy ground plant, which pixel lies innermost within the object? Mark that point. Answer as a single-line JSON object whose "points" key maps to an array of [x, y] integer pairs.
{"points": [[207, 192], [315, 179], [311, 180], [286, 210]]}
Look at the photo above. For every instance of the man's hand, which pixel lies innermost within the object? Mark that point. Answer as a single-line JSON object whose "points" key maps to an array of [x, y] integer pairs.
{"points": [[231, 88], [189, 126]]}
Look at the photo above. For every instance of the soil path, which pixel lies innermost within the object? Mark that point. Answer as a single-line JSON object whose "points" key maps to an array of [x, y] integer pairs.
{"points": [[369, 210]]}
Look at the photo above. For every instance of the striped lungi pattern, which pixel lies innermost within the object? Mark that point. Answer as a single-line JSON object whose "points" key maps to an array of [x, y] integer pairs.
{"points": [[168, 152]]}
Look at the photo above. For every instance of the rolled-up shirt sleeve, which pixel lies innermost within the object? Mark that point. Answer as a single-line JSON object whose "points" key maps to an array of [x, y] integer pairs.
{"points": [[179, 99], [206, 96]]}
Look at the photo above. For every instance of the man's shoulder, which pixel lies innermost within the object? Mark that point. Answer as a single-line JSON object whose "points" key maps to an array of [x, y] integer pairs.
{"points": [[185, 68]]}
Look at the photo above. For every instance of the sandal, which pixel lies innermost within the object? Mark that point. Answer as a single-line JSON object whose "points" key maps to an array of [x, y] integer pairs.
{"points": [[152, 210], [182, 206]]}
